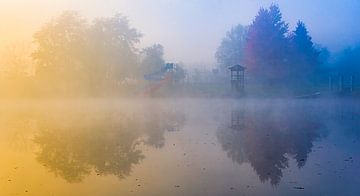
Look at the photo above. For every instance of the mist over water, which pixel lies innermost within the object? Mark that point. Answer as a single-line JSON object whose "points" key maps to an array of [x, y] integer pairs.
{"points": [[180, 98], [180, 146]]}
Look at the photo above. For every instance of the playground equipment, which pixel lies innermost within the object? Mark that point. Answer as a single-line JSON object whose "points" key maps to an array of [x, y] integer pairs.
{"points": [[159, 79]]}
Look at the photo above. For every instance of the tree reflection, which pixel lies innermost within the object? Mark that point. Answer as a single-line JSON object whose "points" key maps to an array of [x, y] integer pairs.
{"points": [[74, 146], [266, 137], [161, 121]]}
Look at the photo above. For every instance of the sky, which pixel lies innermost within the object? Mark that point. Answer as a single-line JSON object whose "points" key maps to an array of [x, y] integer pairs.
{"points": [[189, 30]]}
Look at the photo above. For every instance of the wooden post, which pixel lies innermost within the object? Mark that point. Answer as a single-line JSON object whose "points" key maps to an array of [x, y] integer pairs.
{"points": [[330, 84], [243, 81], [341, 83]]}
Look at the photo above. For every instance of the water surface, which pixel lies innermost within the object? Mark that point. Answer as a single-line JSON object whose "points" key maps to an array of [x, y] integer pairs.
{"points": [[180, 147]]}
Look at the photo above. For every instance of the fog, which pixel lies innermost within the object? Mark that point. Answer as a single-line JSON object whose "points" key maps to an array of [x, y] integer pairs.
{"points": [[81, 53], [174, 97], [189, 30]]}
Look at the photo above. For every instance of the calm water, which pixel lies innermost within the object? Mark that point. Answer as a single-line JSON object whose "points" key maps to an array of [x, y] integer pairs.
{"points": [[180, 147]]}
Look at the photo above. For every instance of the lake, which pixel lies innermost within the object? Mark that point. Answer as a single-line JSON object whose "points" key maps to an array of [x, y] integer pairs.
{"points": [[180, 147]]}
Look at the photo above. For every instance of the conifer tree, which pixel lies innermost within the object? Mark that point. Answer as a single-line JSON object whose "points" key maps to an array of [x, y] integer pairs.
{"points": [[267, 46], [305, 56]]}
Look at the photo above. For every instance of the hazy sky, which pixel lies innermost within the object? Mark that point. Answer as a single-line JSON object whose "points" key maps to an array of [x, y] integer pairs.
{"points": [[190, 30]]}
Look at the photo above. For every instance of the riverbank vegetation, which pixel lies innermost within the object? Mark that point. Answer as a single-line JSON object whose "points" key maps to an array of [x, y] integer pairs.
{"points": [[71, 56]]}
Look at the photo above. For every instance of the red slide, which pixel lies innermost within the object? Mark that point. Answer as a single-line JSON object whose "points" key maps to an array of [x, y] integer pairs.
{"points": [[156, 86]]}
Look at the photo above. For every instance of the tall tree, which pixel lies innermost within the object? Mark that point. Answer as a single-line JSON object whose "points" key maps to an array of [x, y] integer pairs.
{"points": [[60, 52], [231, 50], [75, 56], [305, 56], [113, 56], [267, 46]]}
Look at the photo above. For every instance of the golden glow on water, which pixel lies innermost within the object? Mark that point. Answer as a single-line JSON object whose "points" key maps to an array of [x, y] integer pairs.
{"points": [[173, 147], [52, 149]]}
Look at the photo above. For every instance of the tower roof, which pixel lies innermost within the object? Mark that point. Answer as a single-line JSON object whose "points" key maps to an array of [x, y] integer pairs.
{"points": [[237, 68]]}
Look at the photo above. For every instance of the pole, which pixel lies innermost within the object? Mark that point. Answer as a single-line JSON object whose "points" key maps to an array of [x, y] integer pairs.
{"points": [[330, 83], [341, 83]]}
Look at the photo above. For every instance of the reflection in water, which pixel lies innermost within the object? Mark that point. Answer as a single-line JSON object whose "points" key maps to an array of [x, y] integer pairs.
{"points": [[278, 143], [106, 143], [348, 120], [266, 137], [157, 122]]}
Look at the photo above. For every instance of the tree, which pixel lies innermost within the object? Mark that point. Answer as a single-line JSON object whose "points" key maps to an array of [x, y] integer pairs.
{"points": [[324, 55], [152, 59], [17, 62], [74, 56], [305, 56], [231, 49], [60, 53], [179, 73], [113, 55], [348, 61], [267, 46], [17, 70]]}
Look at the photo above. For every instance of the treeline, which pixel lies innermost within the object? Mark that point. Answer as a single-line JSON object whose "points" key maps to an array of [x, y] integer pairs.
{"points": [[347, 62], [71, 56], [274, 56]]}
